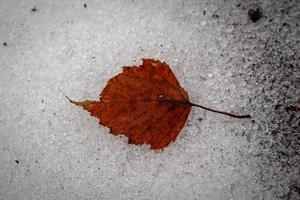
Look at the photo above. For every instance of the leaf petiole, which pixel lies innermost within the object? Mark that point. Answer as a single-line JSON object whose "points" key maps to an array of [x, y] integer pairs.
{"points": [[221, 112]]}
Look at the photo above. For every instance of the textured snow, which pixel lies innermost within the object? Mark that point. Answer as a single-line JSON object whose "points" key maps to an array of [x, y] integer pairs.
{"points": [[52, 150]]}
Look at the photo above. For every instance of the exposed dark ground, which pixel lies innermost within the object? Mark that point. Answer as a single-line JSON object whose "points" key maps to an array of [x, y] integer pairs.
{"points": [[274, 80]]}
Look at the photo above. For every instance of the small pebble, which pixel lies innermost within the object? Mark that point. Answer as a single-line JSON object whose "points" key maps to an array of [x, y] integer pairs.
{"points": [[255, 15], [33, 9]]}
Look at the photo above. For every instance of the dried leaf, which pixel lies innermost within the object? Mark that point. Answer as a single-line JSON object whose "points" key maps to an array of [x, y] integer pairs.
{"points": [[145, 103]]}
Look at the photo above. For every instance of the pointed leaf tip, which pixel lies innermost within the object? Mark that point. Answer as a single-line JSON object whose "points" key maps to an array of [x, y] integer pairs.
{"points": [[72, 101]]}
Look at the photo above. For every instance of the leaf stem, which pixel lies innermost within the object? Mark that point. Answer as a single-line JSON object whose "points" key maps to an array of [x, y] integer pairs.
{"points": [[221, 112]]}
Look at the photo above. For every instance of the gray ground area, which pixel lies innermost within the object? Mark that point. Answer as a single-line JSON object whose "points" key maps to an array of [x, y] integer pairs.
{"points": [[239, 56]]}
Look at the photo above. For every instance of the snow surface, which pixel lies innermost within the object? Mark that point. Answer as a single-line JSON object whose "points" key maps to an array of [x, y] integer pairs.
{"points": [[52, 150]]}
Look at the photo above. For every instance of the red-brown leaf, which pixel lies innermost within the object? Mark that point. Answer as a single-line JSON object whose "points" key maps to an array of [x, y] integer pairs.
{"points": [[144, 103]]}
